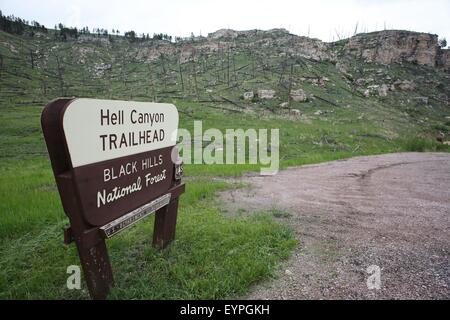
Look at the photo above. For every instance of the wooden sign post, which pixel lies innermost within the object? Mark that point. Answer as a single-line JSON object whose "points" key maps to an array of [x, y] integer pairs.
{"points": [[115, 162]]}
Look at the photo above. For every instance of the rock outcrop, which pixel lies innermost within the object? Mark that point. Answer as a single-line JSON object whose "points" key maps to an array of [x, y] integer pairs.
{"points": [[404, 85], [232, 34], [383, 90], [266, 94], [223, 33], [277, 39], [444, 61], [384, 47], [387, 47], [298, 95], [248, 95]]}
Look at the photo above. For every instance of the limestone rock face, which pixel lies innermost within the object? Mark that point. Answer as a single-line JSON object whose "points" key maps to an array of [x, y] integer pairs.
{"points": [[383, 90], [384, 47], [387, 47], [311, 49], [248, 95], [444, 60], [223, 33], [298, 95], [232, 34], [187, 54], [422, 100], [266, 94], [404, 85], [149, 54]]}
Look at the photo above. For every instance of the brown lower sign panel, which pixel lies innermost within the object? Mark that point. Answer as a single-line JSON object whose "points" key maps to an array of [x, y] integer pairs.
{"points": [[113, 166], [112, 188]]}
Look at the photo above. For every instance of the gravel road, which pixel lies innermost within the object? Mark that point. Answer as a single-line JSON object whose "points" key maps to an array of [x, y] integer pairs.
{"points": [[391, 211]]}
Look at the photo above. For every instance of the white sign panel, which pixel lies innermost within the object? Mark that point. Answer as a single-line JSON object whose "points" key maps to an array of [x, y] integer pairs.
{"points": [[99, 130]]}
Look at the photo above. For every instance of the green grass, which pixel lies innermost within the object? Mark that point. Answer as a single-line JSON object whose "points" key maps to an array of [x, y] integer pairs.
{"points": [[419, 144], [277, 213], [213, 256]]}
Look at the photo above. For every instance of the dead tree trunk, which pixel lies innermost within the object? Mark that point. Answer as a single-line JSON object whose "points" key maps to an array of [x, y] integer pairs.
{"points": [[234, 68], [122, 71], [253, 64], [32, 58], [222, 64], [290, 87], [181, 77], [164, 71], [218, 64], [1, 65], [228, 66], [204, 62], [194, 65], [283, 66], [60, 75], [181, 73], [149, 78], [44, 87]]}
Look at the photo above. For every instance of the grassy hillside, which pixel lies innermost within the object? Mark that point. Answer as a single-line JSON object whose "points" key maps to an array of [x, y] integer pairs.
{"points": [[214, 256]]}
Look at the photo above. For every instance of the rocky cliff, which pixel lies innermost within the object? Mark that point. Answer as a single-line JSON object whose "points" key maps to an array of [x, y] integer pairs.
{"points": [[387, 47], [279, 40], [384, 47], [444, 61]]}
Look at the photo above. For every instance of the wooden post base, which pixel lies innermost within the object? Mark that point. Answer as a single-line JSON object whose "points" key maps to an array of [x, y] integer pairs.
{"points": [[96, 267], [165, 223]]}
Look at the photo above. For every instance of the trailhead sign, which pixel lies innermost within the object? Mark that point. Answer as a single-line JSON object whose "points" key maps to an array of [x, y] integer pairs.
{"points": [[115, 162]]}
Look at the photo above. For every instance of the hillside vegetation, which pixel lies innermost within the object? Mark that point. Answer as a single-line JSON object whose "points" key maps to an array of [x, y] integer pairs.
{"points": [[329, 100]]}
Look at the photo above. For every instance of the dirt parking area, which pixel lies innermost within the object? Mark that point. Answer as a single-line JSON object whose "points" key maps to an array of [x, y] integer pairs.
{"points": [[390, 211]]}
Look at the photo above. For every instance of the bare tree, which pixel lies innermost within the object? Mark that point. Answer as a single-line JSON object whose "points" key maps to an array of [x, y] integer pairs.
{"points": [[283, 67], [1, 65], [218, 63], [150, 79], [203, 59], [181, 73], [194, 72], [164, 70], [337, 34], [60, 74], [181, 77], [234, 64], [356, 28], [290, 86], [44, 86], [122, 69], [228, 65], [253, 64], [32, 58]]}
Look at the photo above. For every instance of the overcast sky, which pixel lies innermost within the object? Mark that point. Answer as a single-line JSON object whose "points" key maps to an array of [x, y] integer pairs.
{"points": [[323, 19]]}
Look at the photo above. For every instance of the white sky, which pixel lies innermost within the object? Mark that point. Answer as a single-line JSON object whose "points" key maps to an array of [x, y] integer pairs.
{"points": [[324, 18]]}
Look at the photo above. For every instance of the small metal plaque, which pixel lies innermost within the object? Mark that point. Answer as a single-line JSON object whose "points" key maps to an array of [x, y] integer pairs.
{"points": [[178, 171], [134, 216]]}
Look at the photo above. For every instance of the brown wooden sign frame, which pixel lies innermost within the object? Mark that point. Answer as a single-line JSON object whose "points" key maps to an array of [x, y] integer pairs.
{"points": [[89, 233]]}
